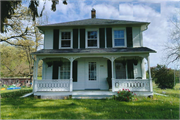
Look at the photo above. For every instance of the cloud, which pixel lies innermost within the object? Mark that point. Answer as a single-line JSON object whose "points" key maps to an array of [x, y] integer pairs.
{"points": [[158, 12]]}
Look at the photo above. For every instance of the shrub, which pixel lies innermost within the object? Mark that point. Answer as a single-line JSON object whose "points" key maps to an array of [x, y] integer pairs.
{"points": [[124, 95], [164, 77], [15, 94]]}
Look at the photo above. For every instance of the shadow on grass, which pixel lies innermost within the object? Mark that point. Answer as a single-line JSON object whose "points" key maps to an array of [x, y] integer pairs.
{"points": [[30, 108]]}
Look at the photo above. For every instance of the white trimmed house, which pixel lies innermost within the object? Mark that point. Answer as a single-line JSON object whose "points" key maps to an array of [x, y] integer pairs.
{"points": [[93, 57]]}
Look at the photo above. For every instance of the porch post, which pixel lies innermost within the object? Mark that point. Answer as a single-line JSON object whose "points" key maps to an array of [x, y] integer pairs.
{"points": [[112, 67], [71, 70], [150, 79]]}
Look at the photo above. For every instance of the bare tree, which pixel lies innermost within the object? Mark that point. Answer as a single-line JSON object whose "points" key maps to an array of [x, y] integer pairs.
{"points": [[172, 48]]}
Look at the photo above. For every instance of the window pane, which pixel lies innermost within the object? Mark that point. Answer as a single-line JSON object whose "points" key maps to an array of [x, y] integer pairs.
{"points": [[66, 35], [92, 43], [92, 70], [65, 70], [118, 33], [92, 35], [119, 42], [66, 43], [120, 70]]}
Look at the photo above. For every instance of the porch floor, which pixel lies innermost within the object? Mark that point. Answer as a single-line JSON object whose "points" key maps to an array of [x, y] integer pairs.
{"points": [[86, 92]]}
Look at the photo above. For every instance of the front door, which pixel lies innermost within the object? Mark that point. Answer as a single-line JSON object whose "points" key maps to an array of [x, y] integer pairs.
{"points": [[92, 81]]}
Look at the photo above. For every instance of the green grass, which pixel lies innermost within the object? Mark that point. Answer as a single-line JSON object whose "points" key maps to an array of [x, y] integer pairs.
{"points": [[160, 107]]}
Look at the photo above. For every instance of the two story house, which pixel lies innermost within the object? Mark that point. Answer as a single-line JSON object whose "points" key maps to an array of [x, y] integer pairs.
{"points": [[93, 57]]}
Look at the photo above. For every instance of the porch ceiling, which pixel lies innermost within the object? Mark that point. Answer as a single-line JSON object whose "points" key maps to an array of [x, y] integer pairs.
{"points": [[94, 51]]}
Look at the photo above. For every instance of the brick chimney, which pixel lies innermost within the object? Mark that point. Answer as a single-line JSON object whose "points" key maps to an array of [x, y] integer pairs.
{"points": [[93, 13]]}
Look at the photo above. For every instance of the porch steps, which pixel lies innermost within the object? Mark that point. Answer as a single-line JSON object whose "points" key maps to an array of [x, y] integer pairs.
{"points": [[91, 96]]}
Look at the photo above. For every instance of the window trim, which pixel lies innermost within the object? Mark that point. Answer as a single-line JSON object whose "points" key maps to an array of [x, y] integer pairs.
{"points": [[115, 69], [125, 40], [71, 40], [86, 42], [59, 73]]}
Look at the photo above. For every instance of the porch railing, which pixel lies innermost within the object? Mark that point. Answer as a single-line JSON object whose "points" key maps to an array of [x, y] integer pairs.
{"points": [[132, 85], [52, 85]]}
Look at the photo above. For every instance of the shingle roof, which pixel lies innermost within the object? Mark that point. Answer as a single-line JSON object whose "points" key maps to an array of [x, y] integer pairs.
{"points": [[96, 21], [95, 50]]}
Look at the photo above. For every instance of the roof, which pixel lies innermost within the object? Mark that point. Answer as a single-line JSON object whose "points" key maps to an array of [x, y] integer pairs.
{"points": [[94, 51], [95, 21]]}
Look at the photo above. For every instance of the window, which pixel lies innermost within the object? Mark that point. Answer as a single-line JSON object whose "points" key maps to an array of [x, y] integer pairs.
{"points": [[92, 39], [65, 39], [120, 70], [65, 70], [119, 39], [92, 70]]}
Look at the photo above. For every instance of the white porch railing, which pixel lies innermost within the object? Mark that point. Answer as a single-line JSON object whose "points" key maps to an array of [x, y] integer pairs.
{"points": [[52, 85], [132, 85]]}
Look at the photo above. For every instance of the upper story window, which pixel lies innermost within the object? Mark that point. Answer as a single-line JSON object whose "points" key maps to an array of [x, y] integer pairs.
{"points": [[66, 39], [92, 39], [119, 39]]}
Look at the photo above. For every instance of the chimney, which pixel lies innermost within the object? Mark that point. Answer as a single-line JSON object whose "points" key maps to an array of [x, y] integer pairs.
{"points": [[93, 13]]}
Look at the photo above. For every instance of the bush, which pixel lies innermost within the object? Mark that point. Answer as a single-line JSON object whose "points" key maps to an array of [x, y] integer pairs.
{"points": [[124, 95], [164, 77], [15, 94]]}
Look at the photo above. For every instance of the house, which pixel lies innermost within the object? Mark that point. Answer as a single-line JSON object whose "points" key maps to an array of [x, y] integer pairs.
{"points": [[93, 57], [17, 81]]}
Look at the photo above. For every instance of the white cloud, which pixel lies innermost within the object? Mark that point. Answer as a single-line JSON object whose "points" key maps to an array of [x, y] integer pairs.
{"points": [[157, 33]]}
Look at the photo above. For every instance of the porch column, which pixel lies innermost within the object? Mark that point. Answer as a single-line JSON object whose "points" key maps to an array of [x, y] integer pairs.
{"points": [[112, 67], [71, 70], [150, 79]]}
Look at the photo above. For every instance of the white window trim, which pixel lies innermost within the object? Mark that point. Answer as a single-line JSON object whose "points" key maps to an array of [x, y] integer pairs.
{"points": [[86, 42], [125, 69], [71, 45], [125, 40]]}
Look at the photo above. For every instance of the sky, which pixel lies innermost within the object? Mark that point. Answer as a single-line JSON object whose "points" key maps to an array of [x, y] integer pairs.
{"points": [[160, 14]]}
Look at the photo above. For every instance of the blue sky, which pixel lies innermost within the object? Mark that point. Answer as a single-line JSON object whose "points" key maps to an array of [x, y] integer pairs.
{"points": [[159, 12]]}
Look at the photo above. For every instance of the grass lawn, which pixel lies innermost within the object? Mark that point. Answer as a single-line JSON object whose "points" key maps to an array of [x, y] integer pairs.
{"points": [[160, 107]]}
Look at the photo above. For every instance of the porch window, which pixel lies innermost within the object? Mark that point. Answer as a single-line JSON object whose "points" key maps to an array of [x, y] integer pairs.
{"points": [[120, 70], [92, 39], [65, 39], [92, 70], [65, 71], [119, 40]]}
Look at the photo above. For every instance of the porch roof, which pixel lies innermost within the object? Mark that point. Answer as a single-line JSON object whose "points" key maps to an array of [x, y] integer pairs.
{"points": [[95, 50]]}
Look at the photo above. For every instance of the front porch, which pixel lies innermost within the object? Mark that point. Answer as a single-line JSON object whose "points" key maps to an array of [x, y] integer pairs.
{"points": [[62, 88], [106, 74]]}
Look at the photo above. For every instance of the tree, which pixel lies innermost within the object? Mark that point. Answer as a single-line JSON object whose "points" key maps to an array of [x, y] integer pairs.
{"points": [[13, 61], [8, 8], [22, 33], [172, 48], [163, 76]]}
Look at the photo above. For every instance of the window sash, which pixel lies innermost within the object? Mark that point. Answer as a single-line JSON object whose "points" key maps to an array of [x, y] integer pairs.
{"points": [[92, 71], [119, 38], [120, 70], [65, 70], [92, 38], [65, 37]]}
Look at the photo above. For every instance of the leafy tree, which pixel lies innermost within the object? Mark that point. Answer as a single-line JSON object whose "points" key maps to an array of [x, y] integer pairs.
{"points": [[163, 76], [13, 61], [8, 8], [22, 33]]}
